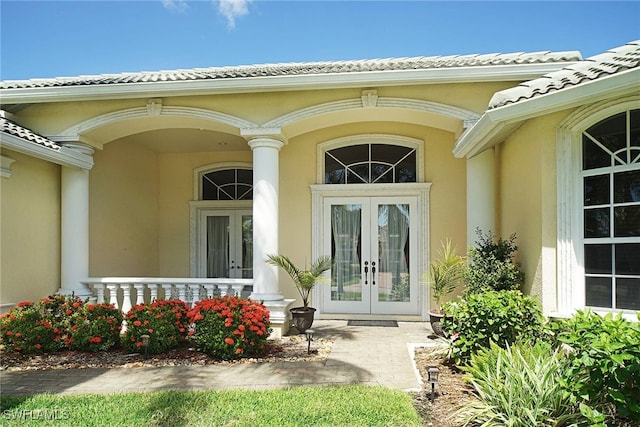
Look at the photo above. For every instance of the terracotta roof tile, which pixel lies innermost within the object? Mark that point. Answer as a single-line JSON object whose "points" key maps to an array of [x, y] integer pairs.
{"points": [[10, 128], [599, 66], [307, 68]]}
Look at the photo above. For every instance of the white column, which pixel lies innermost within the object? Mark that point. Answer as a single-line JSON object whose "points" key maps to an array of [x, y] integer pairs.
{"points": [[75, 227], [265, 216], [481, 194]]}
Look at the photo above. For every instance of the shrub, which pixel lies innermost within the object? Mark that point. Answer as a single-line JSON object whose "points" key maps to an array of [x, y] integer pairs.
{"points": [[476, 320], [230, 327], [28, 329], [604, 352], [164, 321], [491, 266], [95, 327], [59, 309], [518, 386]]}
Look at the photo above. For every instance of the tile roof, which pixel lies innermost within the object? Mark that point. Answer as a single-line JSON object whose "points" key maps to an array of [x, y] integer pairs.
{"points": [[10, 128], [599, 66], [307, 68]]}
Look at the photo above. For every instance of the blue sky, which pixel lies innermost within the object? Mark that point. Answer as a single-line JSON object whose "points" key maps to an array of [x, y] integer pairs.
{"points": [[42, 39]]}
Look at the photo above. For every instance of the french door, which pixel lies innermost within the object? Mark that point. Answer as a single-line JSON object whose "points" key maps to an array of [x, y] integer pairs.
{"points": [[226, 243], [373, 244]]}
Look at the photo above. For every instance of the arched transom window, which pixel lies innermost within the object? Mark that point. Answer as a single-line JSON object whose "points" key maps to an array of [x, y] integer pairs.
{"points": [[370, 163], [227, 184], [611, 211]]}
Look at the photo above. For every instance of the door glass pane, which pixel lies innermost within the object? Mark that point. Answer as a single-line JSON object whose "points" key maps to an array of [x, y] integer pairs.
{"points": [[346, 242], [392, 277], [247, 247], [627, 221], [218, 246]]}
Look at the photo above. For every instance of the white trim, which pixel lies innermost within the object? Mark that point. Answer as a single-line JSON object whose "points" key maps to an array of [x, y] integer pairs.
{"points": [[570, 266], [62, 156], [420, 190], [501, 73], [382, 102], [372, 138], [496, 124], [5, 166]]}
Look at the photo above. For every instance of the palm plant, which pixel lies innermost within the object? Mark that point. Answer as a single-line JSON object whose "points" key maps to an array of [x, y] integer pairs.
{"points": [[304, 280], [446, 273]]}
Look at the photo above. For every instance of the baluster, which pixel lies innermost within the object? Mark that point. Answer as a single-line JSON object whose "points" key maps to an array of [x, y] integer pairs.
{"points": [[153, 292], [113, 294], [99, 288], [139, 292], [237, 290], [224, 289], [167, 290], [182, 291], [126, 298], [209, 289]]}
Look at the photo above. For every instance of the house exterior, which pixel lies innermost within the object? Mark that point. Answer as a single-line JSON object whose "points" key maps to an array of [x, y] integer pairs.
{"points": [[137, 185]]}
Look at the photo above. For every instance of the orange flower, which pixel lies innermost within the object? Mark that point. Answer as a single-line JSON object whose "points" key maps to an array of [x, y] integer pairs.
{"points": [[229, 341], [137, 323]]}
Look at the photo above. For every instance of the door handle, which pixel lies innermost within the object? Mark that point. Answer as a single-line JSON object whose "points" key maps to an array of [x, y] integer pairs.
{"points": [[373, 273], [366, 272]]}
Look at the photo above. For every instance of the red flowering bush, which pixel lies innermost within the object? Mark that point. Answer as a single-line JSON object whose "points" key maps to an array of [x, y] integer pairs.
{"points": [[27, 328], [230, 327], [95, 327], [59, 309], [164, 321]]}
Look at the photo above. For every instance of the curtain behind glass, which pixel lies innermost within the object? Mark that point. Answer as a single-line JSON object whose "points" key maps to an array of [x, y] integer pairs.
{"points": [[345, 224], [393, 222], [217, 246]]}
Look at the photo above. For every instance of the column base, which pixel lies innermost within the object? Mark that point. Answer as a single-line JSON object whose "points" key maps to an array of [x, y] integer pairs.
{"points": [[279, 316]]}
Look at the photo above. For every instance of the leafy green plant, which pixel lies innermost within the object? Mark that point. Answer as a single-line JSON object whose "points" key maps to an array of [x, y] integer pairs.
{"points": [[230, 327], [518, 386], [304, 280], [96, 327], [491, 266], [446, 273], [164, 321], [604, 355], [505, 317], [27, 328]]}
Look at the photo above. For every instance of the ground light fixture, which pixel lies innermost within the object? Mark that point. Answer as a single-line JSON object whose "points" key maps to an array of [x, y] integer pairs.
{"points": [[309, 333], [432, 378], [145, 343]]}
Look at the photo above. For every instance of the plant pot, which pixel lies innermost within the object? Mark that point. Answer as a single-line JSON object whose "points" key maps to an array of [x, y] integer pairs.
{"points": [[302, 318], [435, 319]]}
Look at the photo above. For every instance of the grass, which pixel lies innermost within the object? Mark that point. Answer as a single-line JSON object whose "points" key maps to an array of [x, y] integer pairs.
{"points": [[305, 406]]}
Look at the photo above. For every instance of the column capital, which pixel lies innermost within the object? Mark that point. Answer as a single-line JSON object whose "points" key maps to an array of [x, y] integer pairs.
{"points": [[265, 142], [264, 137]]}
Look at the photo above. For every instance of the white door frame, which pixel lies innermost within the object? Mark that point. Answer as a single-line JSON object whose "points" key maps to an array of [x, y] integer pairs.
{"points": [[420, 190]]}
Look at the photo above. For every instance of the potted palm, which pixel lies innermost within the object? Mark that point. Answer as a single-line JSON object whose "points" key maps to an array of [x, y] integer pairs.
{"points": [[304, 281], [445, 274]]}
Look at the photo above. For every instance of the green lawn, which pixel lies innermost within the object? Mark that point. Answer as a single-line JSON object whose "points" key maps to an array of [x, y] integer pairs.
{"points": [[305, 406]]}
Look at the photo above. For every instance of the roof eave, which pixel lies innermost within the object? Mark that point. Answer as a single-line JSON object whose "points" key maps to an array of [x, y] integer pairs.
{"points": [[519, 72], [62, 156], [495, 125]]}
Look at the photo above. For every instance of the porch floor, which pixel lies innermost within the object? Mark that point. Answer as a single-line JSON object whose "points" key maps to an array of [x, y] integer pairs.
{"points": [[360, 355]]}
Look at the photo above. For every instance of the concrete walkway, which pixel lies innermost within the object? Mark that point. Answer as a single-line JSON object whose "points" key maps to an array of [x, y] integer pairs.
{"points": [[360, 355]]}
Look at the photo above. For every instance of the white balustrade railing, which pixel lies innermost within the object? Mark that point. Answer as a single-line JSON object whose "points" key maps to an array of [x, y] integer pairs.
{"points": [[124, 292]]}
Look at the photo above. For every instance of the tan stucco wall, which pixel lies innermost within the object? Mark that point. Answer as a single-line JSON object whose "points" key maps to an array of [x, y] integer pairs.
{"points": [[527, 202], [123, 210], [30, 230]]}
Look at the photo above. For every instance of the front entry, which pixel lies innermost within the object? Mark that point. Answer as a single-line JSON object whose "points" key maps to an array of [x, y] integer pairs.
{"points": [[374, 247]]}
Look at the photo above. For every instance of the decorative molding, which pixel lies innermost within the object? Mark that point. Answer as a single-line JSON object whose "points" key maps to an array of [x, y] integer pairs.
{"points": [[154, 106], [63, 156], [369, 98], [5, 166]]}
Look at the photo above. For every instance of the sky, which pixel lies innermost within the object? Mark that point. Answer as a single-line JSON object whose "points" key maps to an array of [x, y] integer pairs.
{"points": [[44, 39]]}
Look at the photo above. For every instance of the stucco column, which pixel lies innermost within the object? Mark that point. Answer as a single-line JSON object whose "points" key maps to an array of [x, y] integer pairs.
{"points": [[481, 194], [265, 216], [75, 227]]}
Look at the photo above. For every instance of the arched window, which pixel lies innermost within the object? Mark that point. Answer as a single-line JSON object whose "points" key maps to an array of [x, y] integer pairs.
{"points": [[227, 184], [370, 163], [611, 211]]}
